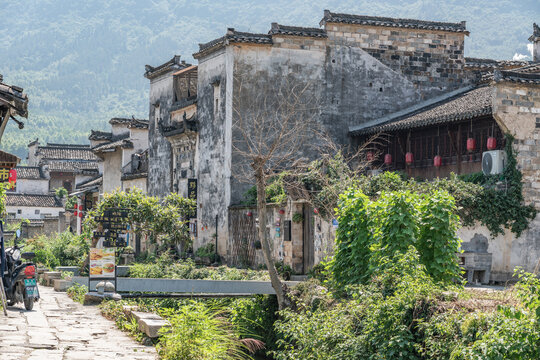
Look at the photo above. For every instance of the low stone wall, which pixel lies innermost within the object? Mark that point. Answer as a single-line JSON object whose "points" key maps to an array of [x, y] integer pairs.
{"points": [[508, 251], [230, 287]]}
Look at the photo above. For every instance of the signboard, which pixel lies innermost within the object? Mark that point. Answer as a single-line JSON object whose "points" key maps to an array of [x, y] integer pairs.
{"points": [[102, 263], [335, 223], [192, 192]]}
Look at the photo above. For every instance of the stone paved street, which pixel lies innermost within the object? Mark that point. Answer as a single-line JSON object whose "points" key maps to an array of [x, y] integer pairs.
{"points": [[60, 329]]}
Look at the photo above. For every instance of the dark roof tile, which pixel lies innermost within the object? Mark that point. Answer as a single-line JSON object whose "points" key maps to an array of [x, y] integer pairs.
{"points": [[517, 77], [30, 172], [330, 17], [73, 166], [100, 135], [66, 152], [32, 200], [130, 122], [296, 31], [235, 37], [464, 106]]}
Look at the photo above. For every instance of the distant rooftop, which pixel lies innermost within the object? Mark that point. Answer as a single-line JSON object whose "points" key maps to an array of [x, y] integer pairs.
{"points": [[173, 64], [66, 152], [130, 122], [32, 200], [30, 172]]}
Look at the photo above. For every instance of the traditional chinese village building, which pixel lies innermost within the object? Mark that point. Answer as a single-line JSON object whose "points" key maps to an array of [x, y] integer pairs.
{"points": [[402, 79]]}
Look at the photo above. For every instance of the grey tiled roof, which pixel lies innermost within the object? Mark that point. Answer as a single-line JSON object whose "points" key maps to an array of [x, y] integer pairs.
{"points": [[95, 181], [330, 17], [191, 124], [66, 152], [237, 37], [296, 31], [13, 97], [468, 105], [100, 135], [490, 64], [30, 172], [173, 64], [130, 122], [529, 69], [122, 142], [73, 166], [32, 200], [517, 77]]}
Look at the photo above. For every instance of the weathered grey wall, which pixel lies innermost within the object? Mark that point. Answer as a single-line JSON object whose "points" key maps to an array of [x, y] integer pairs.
{"points": [[360, 88], [214, 150], [272, 70], [159, 154]]}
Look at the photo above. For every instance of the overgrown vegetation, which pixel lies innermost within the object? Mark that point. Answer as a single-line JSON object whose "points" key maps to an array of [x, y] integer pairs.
{"points": [[76, 292], [494, 201], [64, 249], [163, 220], [164, 267], [371, 233]]}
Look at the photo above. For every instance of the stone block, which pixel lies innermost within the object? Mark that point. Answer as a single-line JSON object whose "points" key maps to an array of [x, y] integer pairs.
{"points": [[61, 285], [151, 327], [139, 315]]}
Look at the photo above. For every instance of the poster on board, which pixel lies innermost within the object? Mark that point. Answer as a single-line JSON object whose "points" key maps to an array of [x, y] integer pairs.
{"points": [[102, 262]]}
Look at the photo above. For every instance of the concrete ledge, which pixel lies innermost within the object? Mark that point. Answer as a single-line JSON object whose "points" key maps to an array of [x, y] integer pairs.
{"points": [[61, 285], [231, 287], [50, 276]]}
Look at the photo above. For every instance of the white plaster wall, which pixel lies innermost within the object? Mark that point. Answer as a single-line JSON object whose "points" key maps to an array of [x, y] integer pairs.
{"points": [[32, 186], [112, 171], [508, 251], [119, 129], [139, 137], [134, 183], [30, 212]]}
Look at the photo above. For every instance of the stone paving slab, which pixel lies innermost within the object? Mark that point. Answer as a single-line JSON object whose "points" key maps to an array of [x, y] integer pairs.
{"points": [[59, 328]]}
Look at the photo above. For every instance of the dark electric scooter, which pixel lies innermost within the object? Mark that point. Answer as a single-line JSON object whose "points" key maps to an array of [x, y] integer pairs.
{"points": [[19, 278]]}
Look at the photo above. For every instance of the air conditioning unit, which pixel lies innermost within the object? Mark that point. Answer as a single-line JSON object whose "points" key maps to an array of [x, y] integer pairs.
{"points": [[493, 162]]}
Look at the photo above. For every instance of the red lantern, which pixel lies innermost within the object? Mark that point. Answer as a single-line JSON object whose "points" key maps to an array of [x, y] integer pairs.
{"points": [[12, 176], [388, 159], [491, 143], [80, 214], [437, 161], [369, 156], [409, 158], [471, 144], [281, 211], [75, 207], [249, 213], [315, 210], [75, 213], [80, 207]]}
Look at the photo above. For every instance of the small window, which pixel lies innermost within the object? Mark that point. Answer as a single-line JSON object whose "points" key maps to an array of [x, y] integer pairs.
{"points": [[19, 211], [217, 95], [36, 212]]}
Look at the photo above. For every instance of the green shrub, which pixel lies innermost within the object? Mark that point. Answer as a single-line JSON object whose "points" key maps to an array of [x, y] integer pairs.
{"points": [[198, 332], [254, 317], [166, 267], [77, 292], [64, 249], [370, 231]]}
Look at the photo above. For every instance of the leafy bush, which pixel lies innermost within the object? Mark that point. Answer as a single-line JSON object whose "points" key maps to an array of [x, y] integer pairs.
{"points": [[198, 332], [371, 231], [166, 267], [64, 249], [77, 292]]}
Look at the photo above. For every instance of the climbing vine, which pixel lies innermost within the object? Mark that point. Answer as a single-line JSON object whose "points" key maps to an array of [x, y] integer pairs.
{"points": [[500, 203]]}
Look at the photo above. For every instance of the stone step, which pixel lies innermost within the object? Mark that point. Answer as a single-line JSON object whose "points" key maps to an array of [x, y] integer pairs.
{"points": [[151, 327], [62, 285]]}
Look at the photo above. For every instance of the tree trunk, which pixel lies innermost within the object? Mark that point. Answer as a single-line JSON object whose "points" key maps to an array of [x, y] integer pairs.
{"points": [[279, 287]]}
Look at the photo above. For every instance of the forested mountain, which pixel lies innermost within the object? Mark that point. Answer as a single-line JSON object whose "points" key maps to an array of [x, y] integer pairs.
{"points": [[82, 61]]}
